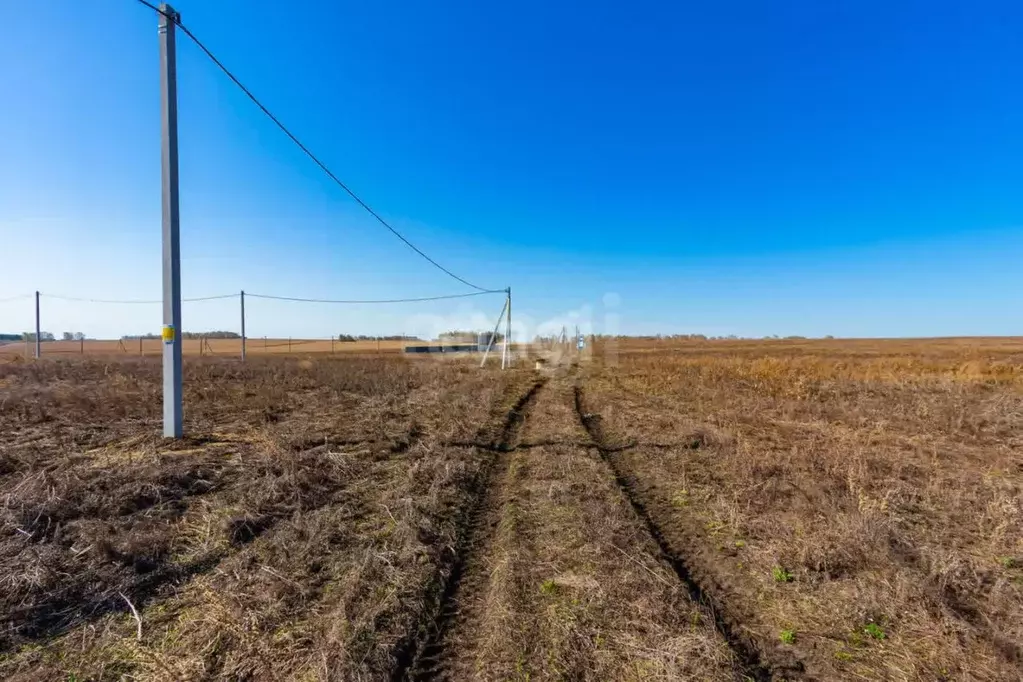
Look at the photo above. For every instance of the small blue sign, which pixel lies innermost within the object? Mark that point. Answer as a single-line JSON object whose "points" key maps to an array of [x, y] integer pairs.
{"points": [[580, 344]]}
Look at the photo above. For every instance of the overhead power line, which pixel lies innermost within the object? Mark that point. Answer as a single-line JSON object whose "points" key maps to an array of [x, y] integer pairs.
{"points": [[133, 301], [248, 93], [265, 296], [390, 300]]}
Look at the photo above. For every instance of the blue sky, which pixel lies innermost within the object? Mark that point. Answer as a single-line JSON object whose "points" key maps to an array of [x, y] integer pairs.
{"points": [[750, 168]]}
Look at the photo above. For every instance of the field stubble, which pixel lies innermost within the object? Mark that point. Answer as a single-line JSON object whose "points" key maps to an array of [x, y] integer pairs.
{"points": [[775, 510], [856, 508], [228, 348], [301, 532]]}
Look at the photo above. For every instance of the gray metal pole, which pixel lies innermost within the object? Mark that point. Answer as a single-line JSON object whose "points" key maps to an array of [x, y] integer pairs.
{"points": [[38, 346], [173, 426], [243, 325]]}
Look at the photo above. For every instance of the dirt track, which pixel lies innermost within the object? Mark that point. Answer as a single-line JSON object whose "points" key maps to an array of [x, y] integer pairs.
{"points": [[558, 572]]}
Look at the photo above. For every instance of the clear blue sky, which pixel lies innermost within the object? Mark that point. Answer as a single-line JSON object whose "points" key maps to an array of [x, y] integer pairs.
{"points": [[846, 168]]}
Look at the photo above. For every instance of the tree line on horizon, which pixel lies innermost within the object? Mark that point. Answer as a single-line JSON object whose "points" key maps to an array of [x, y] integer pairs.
{"points": [[185, 335], [469, 336], [351, 338], [43, 336], [454, 336], [79, 336]]}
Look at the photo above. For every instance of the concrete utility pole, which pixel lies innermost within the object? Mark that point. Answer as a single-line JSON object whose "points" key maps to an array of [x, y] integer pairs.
{"points": [[493, 334], [172, 408], [507, 330], [38, 347], [243, 325]]}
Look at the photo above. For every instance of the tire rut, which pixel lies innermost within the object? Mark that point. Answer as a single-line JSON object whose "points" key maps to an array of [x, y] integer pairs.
{"points": [[422, 657], [744, 648]]}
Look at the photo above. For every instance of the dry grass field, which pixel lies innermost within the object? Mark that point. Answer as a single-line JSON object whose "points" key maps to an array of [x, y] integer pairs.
{"points": [[719, 510], [212, 347]]}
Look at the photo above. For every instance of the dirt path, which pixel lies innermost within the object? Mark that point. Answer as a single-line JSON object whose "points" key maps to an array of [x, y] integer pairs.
{"points": [[428, 660], [560, 579], [758, 664]]}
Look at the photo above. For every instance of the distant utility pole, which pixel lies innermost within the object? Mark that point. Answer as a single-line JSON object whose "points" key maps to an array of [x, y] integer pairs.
{"points": [[39, 351], [243, 325], [507, 329], [172, 409]]}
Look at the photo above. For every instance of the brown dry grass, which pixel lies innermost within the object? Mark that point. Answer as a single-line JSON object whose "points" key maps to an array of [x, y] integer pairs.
{"points": [[864, 497], [685, 510], [211, 347], [298, 533]]}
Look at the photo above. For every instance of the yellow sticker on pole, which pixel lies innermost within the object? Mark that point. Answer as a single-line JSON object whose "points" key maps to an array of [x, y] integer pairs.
{"points": [[168, 333]]}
